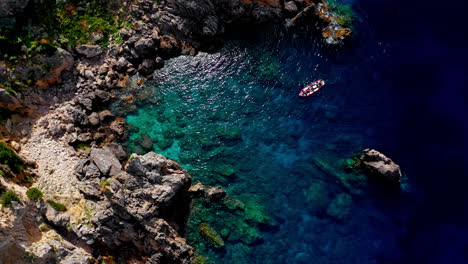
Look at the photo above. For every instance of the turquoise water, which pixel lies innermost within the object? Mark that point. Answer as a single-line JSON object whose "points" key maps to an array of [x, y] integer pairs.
{"points": [[233, 118]]}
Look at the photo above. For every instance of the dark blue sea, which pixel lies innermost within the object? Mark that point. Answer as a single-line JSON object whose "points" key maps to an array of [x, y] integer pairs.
{"points": [[233, 119]]}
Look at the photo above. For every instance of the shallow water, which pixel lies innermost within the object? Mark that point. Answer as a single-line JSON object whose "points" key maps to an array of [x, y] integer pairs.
{"points": [[233, 119]]}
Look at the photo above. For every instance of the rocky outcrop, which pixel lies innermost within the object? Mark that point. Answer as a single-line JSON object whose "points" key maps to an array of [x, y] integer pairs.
{"points": [[9, 101], [89, 51], [379, 167], [332, 31], [26, 238], [134, 210]]}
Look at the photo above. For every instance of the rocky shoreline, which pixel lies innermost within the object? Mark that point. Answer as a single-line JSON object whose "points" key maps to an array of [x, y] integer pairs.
{"points": [[130, 208]]}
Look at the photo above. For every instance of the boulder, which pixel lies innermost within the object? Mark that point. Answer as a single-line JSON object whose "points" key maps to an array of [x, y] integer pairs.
{"points": [[145, 48], [216, 193], [89, 51], [118, 150], [60, 62], [197, 190], [379, 167], [122, 64], [87, 169], [8, 101], [106, 161], [169, 47], [147, 67], [106, 116], [93, 119], [290, 8], [158, 63], [145, 142]]}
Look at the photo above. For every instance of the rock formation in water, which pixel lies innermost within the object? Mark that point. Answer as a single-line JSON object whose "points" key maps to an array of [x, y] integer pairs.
{"points": [[379, 167]]}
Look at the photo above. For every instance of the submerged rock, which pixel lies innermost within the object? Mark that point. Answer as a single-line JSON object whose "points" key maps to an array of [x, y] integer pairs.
{"points": [[379, 167], [340, 207], [211, 234], [216, 193]]}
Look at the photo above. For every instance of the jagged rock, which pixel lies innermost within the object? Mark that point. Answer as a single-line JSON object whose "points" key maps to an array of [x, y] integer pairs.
{"points": [[197, 189], [380, 168], [290, 7], [158, 63], [85, 101], [136, 209], [122, 64], [93, 119], [60, 62], [106, 116], [145, 48], [89, 51], [147, 67], [216, 193], [102, 97], [55, 217], [106, 161], [8, 101], [118, 150], [21, 235], [74, 114], [169, 47], [118, 127], [87, 169], [125, 33]]}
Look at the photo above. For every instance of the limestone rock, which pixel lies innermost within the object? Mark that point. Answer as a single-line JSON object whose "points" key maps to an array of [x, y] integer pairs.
{"points": [[290, 7], [379, 167], [137, 209], [216, 193], [8, 101], [89, 51], [106, 161], [145, 48], [147, 67]]}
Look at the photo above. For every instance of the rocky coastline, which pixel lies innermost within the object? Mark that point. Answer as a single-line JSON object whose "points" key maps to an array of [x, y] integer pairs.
{"points": [[116, 206]]}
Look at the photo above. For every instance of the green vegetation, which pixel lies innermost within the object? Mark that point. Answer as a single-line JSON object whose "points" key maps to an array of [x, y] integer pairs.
{"points": [[200, 260], [104, 184], [57, 206], [55, 24], [93, 25], [82, 147], [9, 197], [34, 194], [210, 233], [9, 159], [344, 12], [30, 257]]}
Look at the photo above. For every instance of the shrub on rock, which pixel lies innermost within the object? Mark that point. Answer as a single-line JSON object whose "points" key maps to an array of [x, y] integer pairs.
{"points": [[57, 206], [9, 157], [34, 194], [9, 197]]}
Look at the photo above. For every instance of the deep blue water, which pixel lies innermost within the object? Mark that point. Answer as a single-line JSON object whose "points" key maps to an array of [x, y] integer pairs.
{"points": [[399, 87]]}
